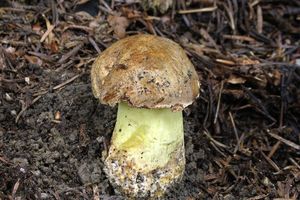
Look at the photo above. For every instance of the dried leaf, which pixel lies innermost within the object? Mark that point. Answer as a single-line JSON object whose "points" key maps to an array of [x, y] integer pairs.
{"points": [[54, 47], [48, 35], [275, 76], [160, 5], [34, 60], [119, 25], [36, 28], [131, 13]]}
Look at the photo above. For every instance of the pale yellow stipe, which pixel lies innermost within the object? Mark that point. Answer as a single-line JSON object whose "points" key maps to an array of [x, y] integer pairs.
{"points": [[149, 136]]}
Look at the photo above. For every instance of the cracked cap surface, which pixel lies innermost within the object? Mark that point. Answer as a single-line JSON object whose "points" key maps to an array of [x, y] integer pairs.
{"points": [[146, 71]]}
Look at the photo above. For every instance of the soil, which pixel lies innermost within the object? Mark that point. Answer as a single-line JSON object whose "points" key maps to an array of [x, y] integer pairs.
{"points": [[242, 135]]}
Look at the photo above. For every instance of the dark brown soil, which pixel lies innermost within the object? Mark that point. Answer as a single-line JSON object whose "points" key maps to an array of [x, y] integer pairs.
{"points": [[242, 135]]}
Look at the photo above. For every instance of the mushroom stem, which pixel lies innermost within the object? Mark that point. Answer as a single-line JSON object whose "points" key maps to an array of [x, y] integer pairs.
{"points": [[146, 155]]}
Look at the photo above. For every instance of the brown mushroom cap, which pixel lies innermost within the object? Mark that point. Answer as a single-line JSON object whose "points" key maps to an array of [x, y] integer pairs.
{"points": [[145, 71]]}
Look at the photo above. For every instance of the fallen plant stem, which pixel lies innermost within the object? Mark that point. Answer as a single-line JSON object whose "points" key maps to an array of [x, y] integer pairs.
{"points": [[285, 141], [200, 10]]}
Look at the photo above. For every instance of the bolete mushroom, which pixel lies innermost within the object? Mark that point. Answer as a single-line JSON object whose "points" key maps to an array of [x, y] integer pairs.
{"points": [[152, 80]]}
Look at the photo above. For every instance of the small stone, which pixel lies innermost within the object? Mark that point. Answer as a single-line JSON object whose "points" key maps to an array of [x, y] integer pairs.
{"points": [[266, 181], [22, 162], [57, 139], [89, 172], [73, 136], [27, 80], [66, 153], [13, 112], [100, 139], [49, 161], [72, 160], [55, 155], [83, 173], [22, 170], [8, 97], [36, 172], [44, 195]]}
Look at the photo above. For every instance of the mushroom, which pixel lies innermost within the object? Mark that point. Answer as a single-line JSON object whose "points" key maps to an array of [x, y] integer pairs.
{"points": [[152, 81]]}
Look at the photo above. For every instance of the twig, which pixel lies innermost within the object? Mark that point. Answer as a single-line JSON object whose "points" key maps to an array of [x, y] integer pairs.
{"points": [[265, 63], [285, 141], [49, 30], [239, 37], [26, 107], [236, 133], [45, 92], [96, 192], [103, 9], [226, 62], [42, 56], [4, 160], [283, 199], [66, 82], [258, 104], [16, 186], [210, 39], [274, 149], [200, 10], [14, 9], [215, 141], [13, 43], [54, 13], [70, 53], [254, 3], [83, 28], [229, 11], [92, 41], [260, 20], [216, 148], [106, 5], [294, 162], [219, 102], [262, 196], [282, 111], [271, 162]]}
